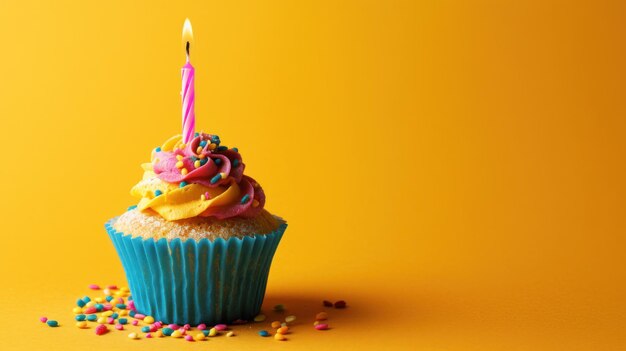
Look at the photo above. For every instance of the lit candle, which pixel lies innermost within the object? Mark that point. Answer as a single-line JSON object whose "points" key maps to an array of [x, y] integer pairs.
{"points": [[188, 91]]}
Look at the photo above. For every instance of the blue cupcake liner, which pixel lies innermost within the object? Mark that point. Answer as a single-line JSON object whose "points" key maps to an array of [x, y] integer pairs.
{"points": [[197, 281]]}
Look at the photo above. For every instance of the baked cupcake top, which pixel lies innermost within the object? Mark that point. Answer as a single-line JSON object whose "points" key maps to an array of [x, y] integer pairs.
{"points": [[199, 179]]}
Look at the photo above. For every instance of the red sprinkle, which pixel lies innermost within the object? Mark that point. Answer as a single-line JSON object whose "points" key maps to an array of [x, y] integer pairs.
{"points": [[327, 303], [94, 287], [101, 329], [90, 310], [112, 287], [340, 304]]}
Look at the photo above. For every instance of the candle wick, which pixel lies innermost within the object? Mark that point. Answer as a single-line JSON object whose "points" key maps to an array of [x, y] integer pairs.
{"points": [[187, 49]]}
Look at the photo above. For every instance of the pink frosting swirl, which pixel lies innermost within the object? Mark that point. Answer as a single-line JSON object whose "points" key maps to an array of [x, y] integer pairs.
{"points": [[211, 165]]}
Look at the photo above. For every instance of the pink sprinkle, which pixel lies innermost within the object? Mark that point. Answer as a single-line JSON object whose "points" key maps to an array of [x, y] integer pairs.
{"points": [[131, 305], [135, 322], [43, 319], [153, 328], [186, 326], [189, 338], [207, 196], [94, 287], [221, 327], [120, 300], [107, 307], [149, 336], [139, 316], [119, 326], [201, 326], [112, 287], [90, 310], [110, 320], [321, 326], [158, 324], [173, 326], [101, 329]]}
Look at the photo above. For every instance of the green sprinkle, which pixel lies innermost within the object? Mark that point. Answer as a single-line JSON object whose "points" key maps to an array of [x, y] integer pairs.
{"points": [[235, 163], [216, 178], [157, 192], [182, 184], [245, 199]]}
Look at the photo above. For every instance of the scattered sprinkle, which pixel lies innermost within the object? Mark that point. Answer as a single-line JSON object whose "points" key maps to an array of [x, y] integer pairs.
{"points": [[189, 337], [245, 199], [182, 184], [101, 329], [275, 324], [236, 163], [212, 332], [321, 326], [217, 161], [340, 304], [197, 164], [283, 330], [255, 203], [264, 333], [92, 317], [203, 143], [158, 149], [119, 326], [212, 146], [235, 149], [179, 157], [52, 323], [290, 319], [221, 327], [216, 178], [279, 337], [81, 324], [177, 334], [180, 164], [133, 336], [158, 192], [201, 326], [184, 171], [222, 148], [94, 287], [199, 337], [230, 334], [43, 319], [259, 318], [80, 317]]}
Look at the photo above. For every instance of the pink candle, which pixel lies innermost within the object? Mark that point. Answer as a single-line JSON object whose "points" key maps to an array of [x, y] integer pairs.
{"points": [[188, 92]]}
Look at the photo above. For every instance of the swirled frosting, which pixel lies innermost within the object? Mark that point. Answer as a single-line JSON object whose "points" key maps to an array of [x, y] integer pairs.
{"points": [[200, 178]]}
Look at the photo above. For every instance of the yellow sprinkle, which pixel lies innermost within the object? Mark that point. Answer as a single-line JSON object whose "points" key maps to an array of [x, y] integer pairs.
{"points": [[199, 337], [202, 156], [177, 334], [316, 323], [133, 336], [106, 313], [179, 157], [255, 203], [223, 175], [283, 330], [123, 313], [148, 319], [199, 149], [183, 171], [90, 304], [102, 320], [124, 289], [158, 334], [81, 324], [196, 164], [182, 146], [280, 337], [275, 324], [98, 299], [212, 332], [230, 334], [212, 146], [202, 198], [179, 164], [77, 310], [106, 291]]}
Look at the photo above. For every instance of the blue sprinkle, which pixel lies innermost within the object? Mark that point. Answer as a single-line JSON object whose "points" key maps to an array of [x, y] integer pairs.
{"points": [[203, 161], [245, 199], [222, 148], [182, 184], [92, 317], [109, 298], [145, 329], [235, 163], [157, 192], [80, 303], [235, 149], [205, 332], [115, 315], [121, 306], [203, 143], [158, 149], [99, 307], [52, 323], [86, 299], [167, 331], [123, 320], [264, 333], [132, 313], [196, 134], [131, 207], [216, 178], [80, 317], [217, 161], [215, 139]]}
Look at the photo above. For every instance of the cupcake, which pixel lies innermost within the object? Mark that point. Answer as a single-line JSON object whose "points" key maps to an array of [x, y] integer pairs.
{"points": [[198, 246]]}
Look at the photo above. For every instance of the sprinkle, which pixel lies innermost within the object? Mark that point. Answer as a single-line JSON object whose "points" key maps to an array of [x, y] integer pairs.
{"points": [[133, 336], [222, 148], [157, 192], [322, 316], [92, 317], [235, 149], [173, 326], [158, 334], [199, 150], [102, 320], [259, 318], [101, 329], [121, 306], [139, 316], [216, 178], [283, 324], [212, 332], [43, 319], [275, 324], [80, 303], [223, 175], [340, 304], [207, 195], [264, 333], [77, 310], [123, 320], [182, 146], [183, 171], [279, 337], [119, 326], [80, 317], [145, 329], [189, 337], [202, 157], [201, 326], [221, 327], [321, 326], [283, 330], [245, 199], [106, 314], [197, 164], [177, 334], [90, 310], [111, 320], [179, 164], [81, 324], [135, 322], [217, 161], [235, 163], [106, 292], [255, 203], [148, 319], [167, 331], [149, 336], [114, 287], [196, 134], [279, 308], [99, 300], [94, 287], [202, 197], [212, 146], [215, 139], [230, 334], [290, 319], [179, 157], [158, 149], [115, 315], [109, 298], [203, 143], [182, 184], [86, 299]]}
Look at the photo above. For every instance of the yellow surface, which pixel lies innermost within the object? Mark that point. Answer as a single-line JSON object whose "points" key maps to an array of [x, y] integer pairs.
{"points": [[454, 170]]}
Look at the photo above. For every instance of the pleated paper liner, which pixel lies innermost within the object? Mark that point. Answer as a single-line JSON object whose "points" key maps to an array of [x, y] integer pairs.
{"points": [[190, 281]]}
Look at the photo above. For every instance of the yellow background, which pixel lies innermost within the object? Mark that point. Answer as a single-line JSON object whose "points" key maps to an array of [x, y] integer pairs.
{"points": [[454, 170]]}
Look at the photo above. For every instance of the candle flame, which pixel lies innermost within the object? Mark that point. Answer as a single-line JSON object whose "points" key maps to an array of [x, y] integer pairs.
{"points": [[187, 36]]}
